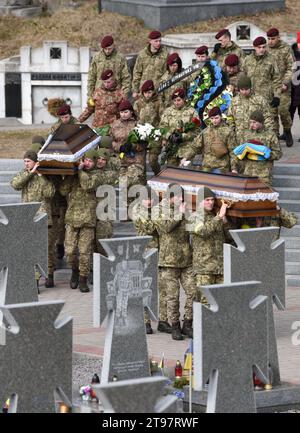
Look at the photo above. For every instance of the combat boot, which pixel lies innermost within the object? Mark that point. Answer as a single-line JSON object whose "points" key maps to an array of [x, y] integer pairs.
{"points": [[288, 138], [49, 281], [282, 136], [83, 287], [187, 328], [164, 327], [60, 251], [149, 329], [74, 278], [176, 331]]}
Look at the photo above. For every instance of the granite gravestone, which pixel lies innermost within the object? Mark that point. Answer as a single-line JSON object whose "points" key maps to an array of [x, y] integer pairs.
{"points": [[23, 245], [124, 284], [36, 360], [136, 396], [259, 255], [230, 338]]}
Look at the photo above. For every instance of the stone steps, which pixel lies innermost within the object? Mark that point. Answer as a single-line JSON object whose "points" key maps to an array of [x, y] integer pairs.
{"points": [[10, 198], [294, 231], [6, 188], [292, 255], [284, 180], [288, 193], [292, 280], [292, 268], [286, 169], [292, 243], [290, 205]]}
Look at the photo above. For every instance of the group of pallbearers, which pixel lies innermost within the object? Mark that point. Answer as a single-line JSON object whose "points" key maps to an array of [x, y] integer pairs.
{"points": [[261, 84]]}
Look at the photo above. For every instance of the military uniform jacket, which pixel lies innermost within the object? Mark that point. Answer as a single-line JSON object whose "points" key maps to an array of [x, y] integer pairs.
{"points": [[174, 239], [149, 66], [36, 188], [149, 110], [144, 226], [56, 125], [283, 55], [216, 144], [106, 106], [81, 195], [166, 95], [117, 63], [239, 112], [208, 236], [264, 74], [221, 55]]}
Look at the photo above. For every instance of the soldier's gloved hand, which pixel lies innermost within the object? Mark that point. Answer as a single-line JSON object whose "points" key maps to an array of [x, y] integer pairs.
{"points": [[217, 48], [275, 102], [176, 138]]}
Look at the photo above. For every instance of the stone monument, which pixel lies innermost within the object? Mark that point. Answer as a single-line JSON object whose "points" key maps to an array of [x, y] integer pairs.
{"points": [[124, 284], [230, 338], [163, 14], [20, 8]]}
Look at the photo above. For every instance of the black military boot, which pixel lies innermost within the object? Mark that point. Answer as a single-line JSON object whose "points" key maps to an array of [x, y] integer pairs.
{"points": [[176, 331], [187, 328], [288, 138], [74, 278], [83, 287], [164, 327], [149, 329], [49, 281], [282, 136], [60, 251]]}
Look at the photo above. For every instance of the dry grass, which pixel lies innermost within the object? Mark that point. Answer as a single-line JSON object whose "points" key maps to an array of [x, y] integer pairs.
{"points": [[13, 144], [84, 26]]}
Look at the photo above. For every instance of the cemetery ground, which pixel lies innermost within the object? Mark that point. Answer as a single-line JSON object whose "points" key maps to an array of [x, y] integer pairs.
{"points": [[83, 26]]}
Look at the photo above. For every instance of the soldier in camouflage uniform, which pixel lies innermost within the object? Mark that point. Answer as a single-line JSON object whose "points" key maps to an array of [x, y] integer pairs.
{"points": [[133, 166], [233, 71], [261, 67], [65, 118], [104, 225], [106, 100], [36, 187], [201, 56], [175, 259], [282, 53], [149, 109], [150, 63], [258, 133], [81, 218], [144, 225], [173, 119], [174, 67], [209, 233], [215, 143], [224, 47], [108, 58], [244, 103]]}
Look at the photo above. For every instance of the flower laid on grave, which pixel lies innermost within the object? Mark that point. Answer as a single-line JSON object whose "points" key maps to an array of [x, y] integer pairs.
{"points": [[87, 393], [210, 83], [141, 138]]}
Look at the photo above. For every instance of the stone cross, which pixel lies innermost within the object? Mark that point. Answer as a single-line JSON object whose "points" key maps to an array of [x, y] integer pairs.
{"points": [[260, 256], [124, 284], [37, 358], [23, 244], [136, 396], [230, 338]]}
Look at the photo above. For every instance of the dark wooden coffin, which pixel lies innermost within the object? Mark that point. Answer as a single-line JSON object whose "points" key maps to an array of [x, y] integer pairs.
{"points": [[65, 147], [248, 196]]}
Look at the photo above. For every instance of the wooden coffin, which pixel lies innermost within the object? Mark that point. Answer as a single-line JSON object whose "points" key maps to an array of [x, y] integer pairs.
{"points": [[248, 196], [64, 148]]}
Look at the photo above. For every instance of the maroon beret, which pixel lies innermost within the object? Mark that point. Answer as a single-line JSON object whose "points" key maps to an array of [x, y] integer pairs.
{"points": [[178, 93], [64, 109], [108, 73], [155, 34], [147, 85], [202, 50], [214, 112], [107, 41], [125, 105], [232, 60], [272, 32], [259, 41], [172, 58], [222, 33]]}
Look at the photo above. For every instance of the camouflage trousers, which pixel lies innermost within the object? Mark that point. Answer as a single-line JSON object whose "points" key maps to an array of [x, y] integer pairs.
{"points": [[104, 230], [283, 112], [134, 174], [206, 280], [163, 316], [263, 172], [82, 239], [51, 248], [171, 280]]}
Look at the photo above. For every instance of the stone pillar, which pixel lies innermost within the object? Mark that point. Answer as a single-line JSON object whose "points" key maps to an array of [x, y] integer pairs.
{"points": [[26, 85], [2, 94], [84, 69]]}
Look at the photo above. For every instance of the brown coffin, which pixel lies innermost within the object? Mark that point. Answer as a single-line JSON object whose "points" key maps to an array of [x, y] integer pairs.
{"points": [[226, 186], [62, 150]]}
